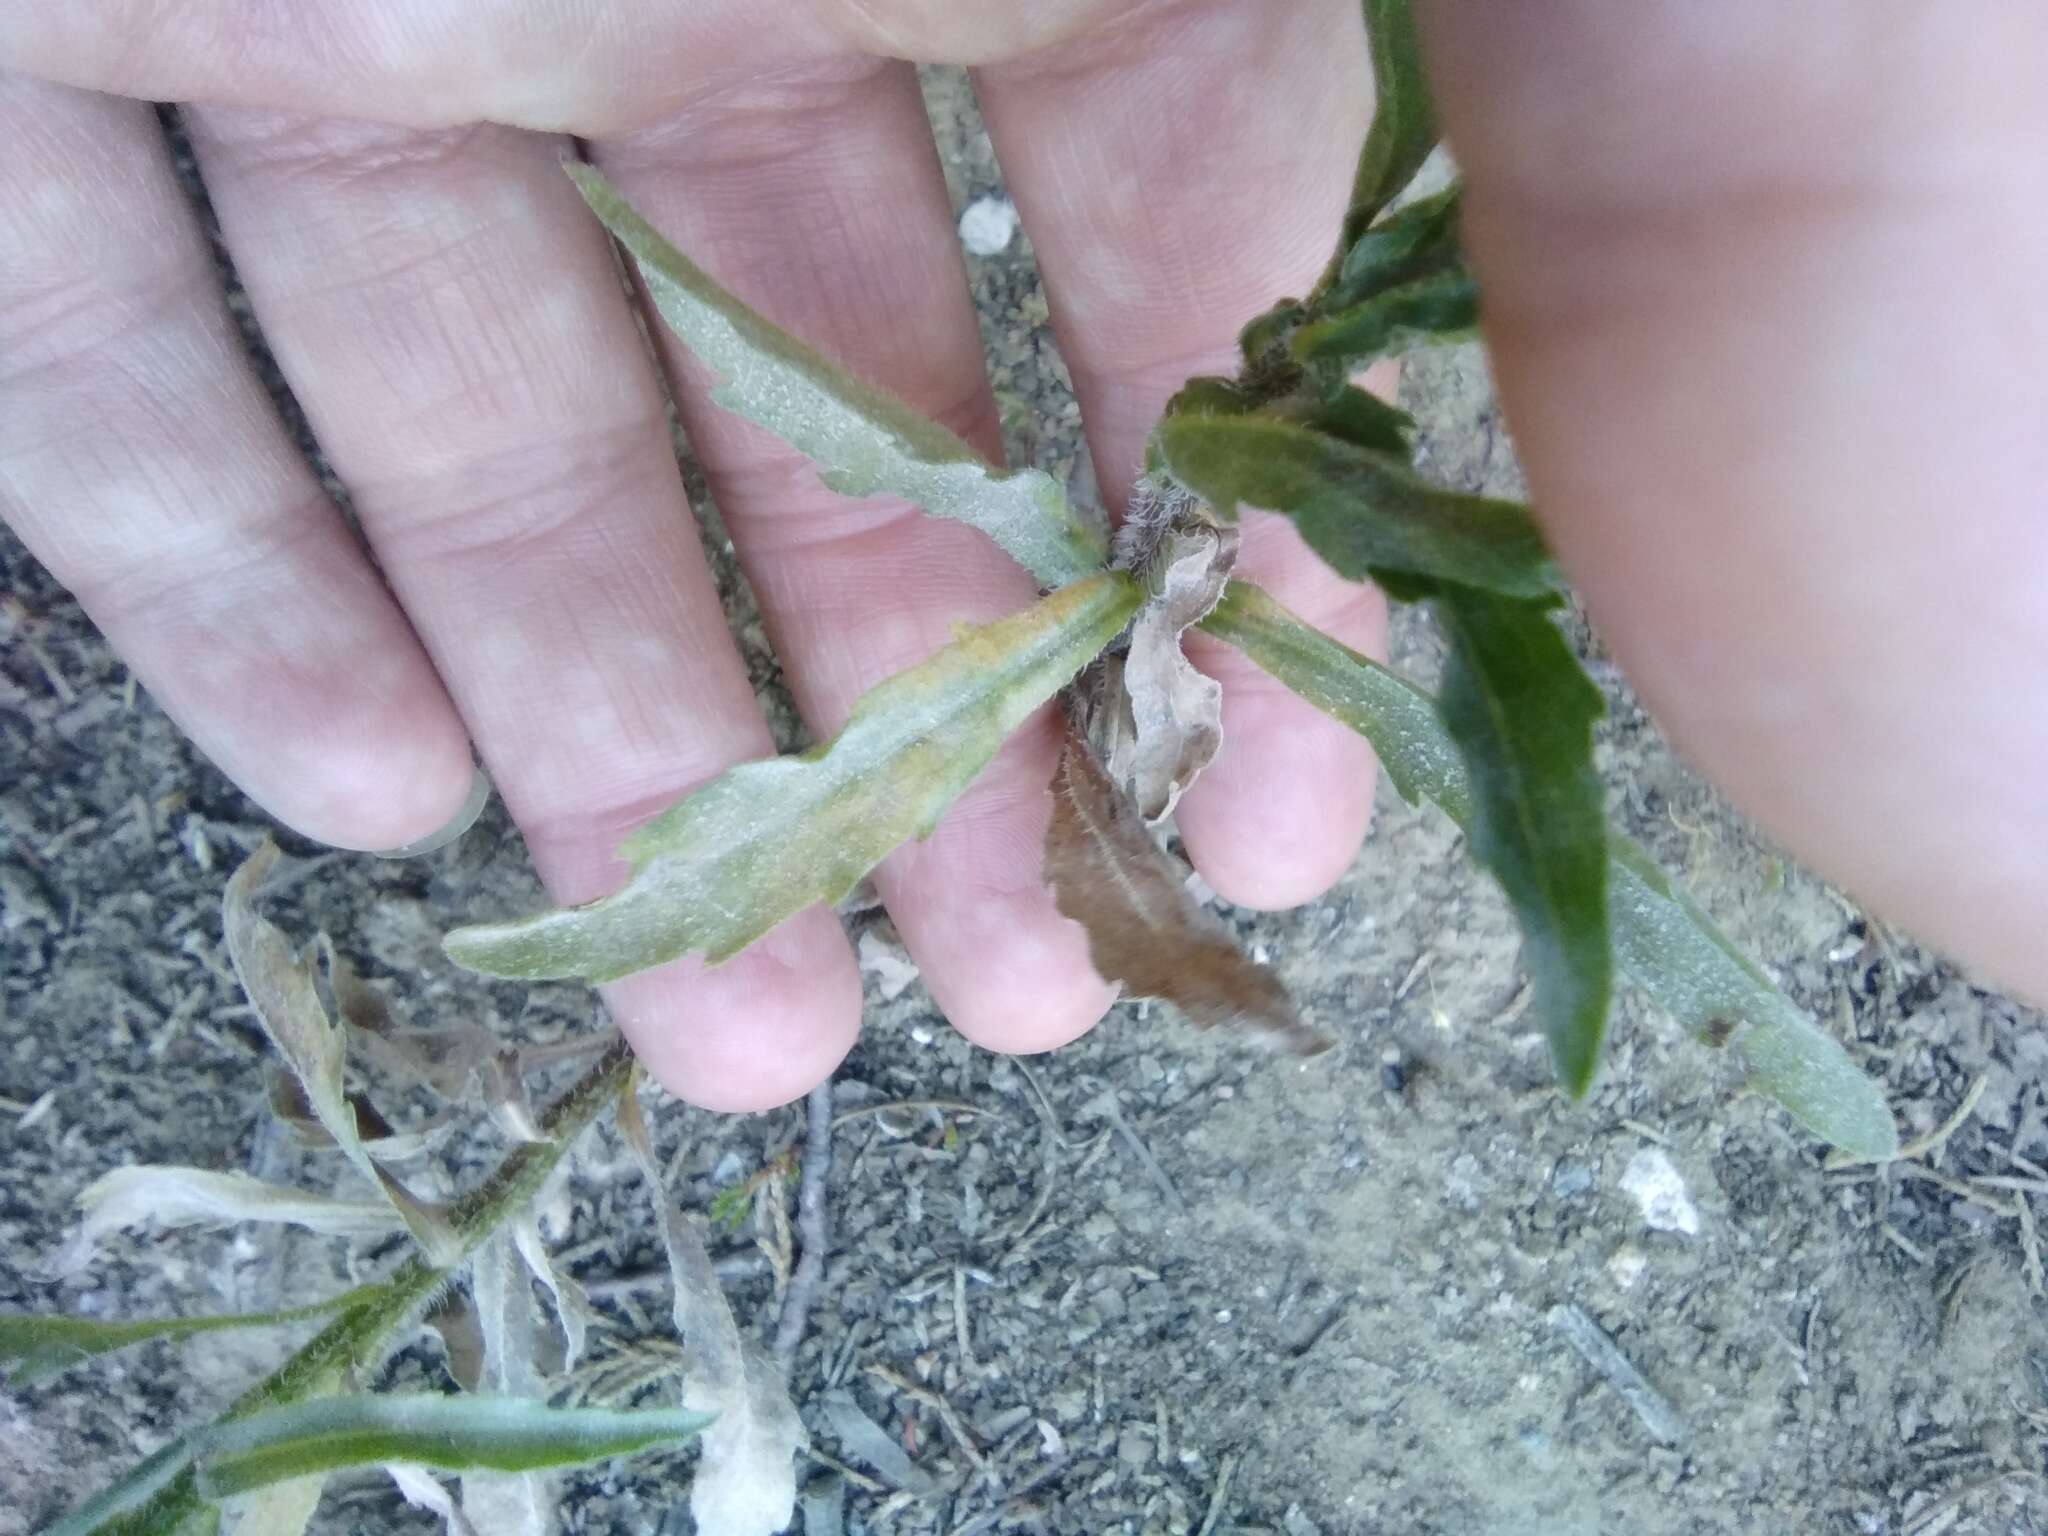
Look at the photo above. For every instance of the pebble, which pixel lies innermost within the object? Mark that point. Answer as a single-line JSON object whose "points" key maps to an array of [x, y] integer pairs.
{"points": [[987, 225], [1660, 1192]]}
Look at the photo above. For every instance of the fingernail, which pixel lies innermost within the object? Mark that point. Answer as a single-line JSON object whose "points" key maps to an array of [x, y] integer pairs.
{"points": [[472, 807]]}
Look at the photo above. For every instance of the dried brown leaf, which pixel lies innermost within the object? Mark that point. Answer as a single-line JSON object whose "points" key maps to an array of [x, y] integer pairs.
{"points": [[1144, 929], [1166, 717]]}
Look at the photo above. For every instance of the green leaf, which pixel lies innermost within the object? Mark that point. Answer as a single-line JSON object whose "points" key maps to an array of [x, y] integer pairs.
{"points": [[1696, 975], [1440, 307], [1398, 719], [1362, 509], [1521, 710], [1403, 128], [39, 1347], [1662, 940], [1419, 239], [865, 442], [767, 839], [470, 1432]]}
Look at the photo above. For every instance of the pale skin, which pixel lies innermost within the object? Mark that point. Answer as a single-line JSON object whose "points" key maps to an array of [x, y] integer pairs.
{"points": [[1763, 289]]}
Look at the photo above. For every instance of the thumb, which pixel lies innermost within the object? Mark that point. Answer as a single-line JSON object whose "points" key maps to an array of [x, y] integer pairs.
{"points": [[1763, 290]]}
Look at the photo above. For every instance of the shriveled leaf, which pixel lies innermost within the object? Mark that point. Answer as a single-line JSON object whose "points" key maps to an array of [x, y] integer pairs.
{"points": [[280, 1509], [1440, 307], [1521, 709], [1361, 509], [1662, 940], [380, 1138], [453, 1317], [285, 993], [745, 1483], [1144, 930], [767, 839], [1690, 969], [422, 1490], [1168, 715], [865, 442], [514, 1503], [454, 1434], [38, 1347], [572, 1307], [167, 1197], [1403, 130]]}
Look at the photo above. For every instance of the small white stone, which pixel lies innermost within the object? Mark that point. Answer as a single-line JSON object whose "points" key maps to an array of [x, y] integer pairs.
{"points": [[892, 969], [1666, 1204], [1626, 1265], [987, 225]]}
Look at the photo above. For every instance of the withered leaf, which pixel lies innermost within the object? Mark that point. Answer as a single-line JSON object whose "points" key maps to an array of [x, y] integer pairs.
{"points": [[1167, 717], [1144, 929], [285, 994]]}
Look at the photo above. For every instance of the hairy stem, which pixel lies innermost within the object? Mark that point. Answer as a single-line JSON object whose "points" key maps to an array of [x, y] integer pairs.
{"points": [[358, 1341]]}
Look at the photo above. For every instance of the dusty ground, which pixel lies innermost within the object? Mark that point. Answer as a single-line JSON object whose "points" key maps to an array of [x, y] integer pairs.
{"points": [[1317, 1301]]}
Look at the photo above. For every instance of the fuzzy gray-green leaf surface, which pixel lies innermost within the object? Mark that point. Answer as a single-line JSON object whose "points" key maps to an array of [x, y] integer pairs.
{"points": [[865, 442], [767, 839], [1662, 940]]}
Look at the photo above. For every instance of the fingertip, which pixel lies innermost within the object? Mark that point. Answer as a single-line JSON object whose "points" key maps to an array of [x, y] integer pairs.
{"points": [[401, 784], [759, 1031], [1279, 816], [1031, 986]]}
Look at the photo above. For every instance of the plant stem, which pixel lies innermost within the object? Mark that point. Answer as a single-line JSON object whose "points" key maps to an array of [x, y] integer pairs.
{"points": [[357, 1341]]}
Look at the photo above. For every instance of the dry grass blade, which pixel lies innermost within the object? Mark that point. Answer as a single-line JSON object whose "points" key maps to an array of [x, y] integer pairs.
{"points": [[572, 1307], [745, 1483], [422, 1490], [285, 993], [1144, 930]]}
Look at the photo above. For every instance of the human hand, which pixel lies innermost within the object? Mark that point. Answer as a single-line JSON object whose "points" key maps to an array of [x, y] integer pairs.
{"points": [[1763, 288], [451, 319]]}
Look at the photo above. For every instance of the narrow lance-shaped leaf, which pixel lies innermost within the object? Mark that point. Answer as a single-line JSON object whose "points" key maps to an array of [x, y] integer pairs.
{"points": [[864, 441], [1521, 710], [767, 839], [38, 1347], [1361, 509], [1417, 240], [1403, 127], [1665, 943], [1145, 932], [1437, 308], [164, 1197], [456, 1434]]}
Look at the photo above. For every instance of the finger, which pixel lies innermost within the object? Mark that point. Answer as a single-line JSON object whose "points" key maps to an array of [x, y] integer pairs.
{"points": [[1763, 295], [1155, 253], [820, 201], [142, 462], [584, 66], [454, 322]]}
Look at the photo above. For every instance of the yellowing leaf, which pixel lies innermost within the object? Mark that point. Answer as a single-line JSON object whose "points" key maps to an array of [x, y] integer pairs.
{"points": [[767, 839], [1144, 929], [865, 442]]}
